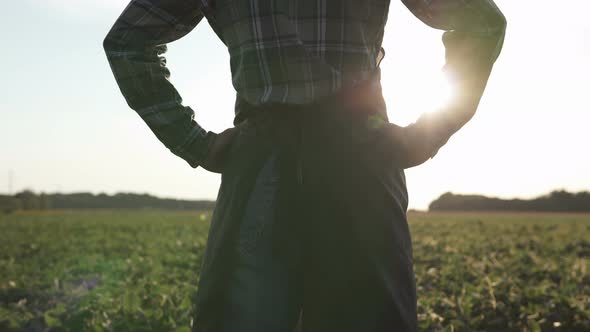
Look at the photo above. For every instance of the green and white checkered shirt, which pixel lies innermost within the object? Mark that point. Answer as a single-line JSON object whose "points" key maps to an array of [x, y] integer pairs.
{"points": [[281, 51]]}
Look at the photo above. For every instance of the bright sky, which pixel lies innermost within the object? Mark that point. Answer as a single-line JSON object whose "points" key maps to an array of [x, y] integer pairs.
{"points": [[65, 126]]}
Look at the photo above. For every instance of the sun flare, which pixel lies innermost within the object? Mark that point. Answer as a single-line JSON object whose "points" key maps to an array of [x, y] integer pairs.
{"points": [[438, 94], [416, 94]]}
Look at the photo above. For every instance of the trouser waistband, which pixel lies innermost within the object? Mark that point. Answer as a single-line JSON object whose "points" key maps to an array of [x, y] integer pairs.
{"points": [[363, 97]]}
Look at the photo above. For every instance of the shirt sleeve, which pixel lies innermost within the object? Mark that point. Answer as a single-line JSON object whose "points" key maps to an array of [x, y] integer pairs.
{"points": [[473, 39], [474, 32], [134, 48]]}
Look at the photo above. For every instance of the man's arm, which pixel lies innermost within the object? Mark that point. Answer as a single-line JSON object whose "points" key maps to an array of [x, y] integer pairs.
{"points": [[473, 39], [134, 48]]}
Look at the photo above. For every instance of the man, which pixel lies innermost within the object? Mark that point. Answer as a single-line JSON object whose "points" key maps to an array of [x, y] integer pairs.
{"points": [[310, 222]]}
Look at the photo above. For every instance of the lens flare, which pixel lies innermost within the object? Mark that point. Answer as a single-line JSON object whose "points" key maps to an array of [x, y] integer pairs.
{"points": [[441, 92]]}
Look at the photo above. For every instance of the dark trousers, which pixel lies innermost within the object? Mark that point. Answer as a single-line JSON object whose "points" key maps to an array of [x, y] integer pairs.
{"points": [[264, 290], [311, 218]]}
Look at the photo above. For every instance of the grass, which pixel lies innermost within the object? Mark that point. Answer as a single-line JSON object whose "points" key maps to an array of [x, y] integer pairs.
{"points": [[136, 270]]}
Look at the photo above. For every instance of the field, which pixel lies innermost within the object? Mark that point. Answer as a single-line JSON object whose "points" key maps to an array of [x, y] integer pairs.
{"points": [[136, 270]]}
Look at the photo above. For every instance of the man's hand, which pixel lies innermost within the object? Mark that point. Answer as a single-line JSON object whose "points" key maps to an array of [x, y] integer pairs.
{"points": [[409, 145], [416, 143], [218, 151]]}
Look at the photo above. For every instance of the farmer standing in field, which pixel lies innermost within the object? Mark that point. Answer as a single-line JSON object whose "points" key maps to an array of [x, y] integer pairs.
{"points": [[310, 222]]}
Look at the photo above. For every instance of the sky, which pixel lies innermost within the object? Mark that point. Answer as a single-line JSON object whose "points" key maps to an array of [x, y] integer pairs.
{"points": [[66, 127]]}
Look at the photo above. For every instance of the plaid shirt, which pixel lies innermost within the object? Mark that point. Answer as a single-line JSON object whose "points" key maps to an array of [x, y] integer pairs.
{"points": [[284, 52]]}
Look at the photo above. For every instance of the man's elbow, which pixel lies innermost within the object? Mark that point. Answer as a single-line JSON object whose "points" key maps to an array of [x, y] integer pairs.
{"points": [[114, 39], [113, 45], [107, 43], [500, 23]]}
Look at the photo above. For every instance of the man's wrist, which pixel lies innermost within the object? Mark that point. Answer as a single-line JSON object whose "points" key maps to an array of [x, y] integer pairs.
{"points": [[209, 141], [438, 128]]}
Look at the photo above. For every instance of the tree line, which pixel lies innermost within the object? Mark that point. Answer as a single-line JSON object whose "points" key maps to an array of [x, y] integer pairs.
{"points": [[556, 201], [29, 200]]}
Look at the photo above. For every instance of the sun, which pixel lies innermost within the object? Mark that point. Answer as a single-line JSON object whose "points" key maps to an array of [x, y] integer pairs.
{"points": [[437, 95], [419, 93], [440, 93]]}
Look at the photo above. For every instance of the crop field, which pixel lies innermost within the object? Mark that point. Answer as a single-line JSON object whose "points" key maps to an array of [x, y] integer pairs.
{"points": [[136, 270]]}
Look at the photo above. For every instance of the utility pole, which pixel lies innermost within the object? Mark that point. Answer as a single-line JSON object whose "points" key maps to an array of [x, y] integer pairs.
{"points": [[10, 180]]}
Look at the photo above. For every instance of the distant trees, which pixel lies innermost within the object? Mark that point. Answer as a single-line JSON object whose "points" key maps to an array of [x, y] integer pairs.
{"points": [[556, 201], [9, 203], [28, 200]]}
